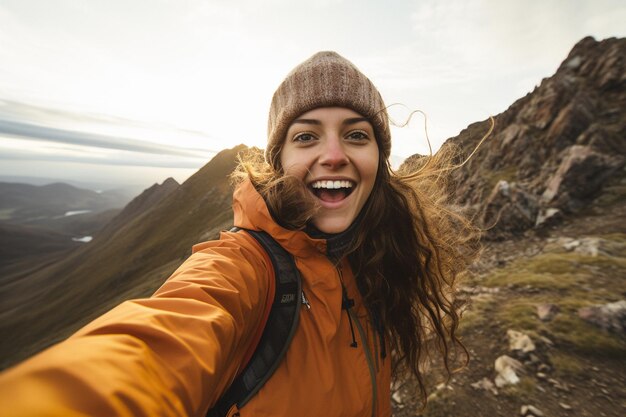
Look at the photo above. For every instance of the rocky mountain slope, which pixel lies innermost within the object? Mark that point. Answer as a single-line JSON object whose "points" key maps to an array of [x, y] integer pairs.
{"points": [[553, 151], [546, 326]]}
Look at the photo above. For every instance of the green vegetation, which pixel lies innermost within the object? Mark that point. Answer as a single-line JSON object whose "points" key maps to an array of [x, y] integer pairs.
{"points": [[524, 389], [566, 365], [570, 280]]}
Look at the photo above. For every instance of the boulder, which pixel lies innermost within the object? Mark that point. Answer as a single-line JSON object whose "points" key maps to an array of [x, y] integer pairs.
{"points": [[571, 121], [610, 317], [548, 217], [530, 410], [520, 342], [579, 177], [507, 368], [509, 209], [546, 312], [485, 384]]}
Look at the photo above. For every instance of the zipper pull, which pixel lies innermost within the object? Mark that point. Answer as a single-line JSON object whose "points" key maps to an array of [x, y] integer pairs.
{"points": [[305, 301]]}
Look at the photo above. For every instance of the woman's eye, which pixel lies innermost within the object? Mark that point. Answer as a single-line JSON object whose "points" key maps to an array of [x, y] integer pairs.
{"points": [[303, 137], [357, 135]]}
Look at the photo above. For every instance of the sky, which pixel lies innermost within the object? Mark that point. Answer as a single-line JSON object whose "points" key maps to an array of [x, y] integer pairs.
{"points": [[120, 91]]}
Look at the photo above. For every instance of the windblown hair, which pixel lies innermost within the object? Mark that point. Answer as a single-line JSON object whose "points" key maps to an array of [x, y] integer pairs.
{"points": [[408, 258]]}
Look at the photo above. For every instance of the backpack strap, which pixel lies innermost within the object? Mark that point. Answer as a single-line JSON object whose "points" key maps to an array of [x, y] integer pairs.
{"points": [[278, 330]]}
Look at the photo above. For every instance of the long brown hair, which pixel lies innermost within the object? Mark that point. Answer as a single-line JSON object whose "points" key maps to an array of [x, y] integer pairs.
{"points": [[408, 258]]}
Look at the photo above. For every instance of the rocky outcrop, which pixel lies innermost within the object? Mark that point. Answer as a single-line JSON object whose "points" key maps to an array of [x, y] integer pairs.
{"points": [[509, 208], [553, 151], [580, 175]]}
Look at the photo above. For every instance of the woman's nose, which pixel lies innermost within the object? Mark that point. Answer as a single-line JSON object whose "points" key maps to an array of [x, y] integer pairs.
{"points": [[333, 153]]}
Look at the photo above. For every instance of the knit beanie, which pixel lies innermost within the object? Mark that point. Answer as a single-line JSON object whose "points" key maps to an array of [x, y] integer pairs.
{"points": [[325, 80]]}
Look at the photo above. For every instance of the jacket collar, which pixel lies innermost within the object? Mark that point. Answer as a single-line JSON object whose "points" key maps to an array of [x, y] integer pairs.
{"points": [[251, 212]]}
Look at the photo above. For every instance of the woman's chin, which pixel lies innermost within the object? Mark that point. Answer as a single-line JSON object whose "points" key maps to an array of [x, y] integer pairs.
{"points": [[332, 225]]}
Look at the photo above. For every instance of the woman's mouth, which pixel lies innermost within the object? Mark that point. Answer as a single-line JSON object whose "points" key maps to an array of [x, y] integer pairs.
{"points": [[332, 191]]}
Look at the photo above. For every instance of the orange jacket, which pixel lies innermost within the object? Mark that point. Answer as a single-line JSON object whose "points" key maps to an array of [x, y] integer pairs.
{"points": [[175, 353]]}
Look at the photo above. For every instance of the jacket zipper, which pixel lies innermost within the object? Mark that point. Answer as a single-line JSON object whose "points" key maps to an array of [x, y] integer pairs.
{"points": [[364, 343], [305, 301], [370, 362]]}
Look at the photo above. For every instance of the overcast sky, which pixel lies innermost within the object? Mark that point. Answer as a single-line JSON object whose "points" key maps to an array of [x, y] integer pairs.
{"points": [[139, 90]]}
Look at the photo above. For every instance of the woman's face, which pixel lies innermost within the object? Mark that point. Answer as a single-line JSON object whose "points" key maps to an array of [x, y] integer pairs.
{"points": [[334, 151]]}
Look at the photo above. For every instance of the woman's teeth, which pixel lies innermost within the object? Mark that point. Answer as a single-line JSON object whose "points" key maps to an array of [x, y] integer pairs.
{"points": [[331, 185]]}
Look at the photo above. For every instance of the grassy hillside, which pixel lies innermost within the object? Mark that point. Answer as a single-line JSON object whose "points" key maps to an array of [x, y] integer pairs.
{"points": [[131, 260]]}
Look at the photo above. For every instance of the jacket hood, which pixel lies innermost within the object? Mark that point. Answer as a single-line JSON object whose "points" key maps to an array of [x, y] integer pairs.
{"points": [[251, 212]]}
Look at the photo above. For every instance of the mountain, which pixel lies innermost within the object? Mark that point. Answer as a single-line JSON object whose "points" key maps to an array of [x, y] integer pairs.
{"points": [[31, 204], [129, 258], [20, 242], [555, 150], [545, 325], [128, 189], [141, 204]]}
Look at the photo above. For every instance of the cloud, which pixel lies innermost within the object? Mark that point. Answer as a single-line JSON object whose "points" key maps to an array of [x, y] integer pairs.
{"points": [[27, 121], [38, 133], [28, 130], [116, 159]]}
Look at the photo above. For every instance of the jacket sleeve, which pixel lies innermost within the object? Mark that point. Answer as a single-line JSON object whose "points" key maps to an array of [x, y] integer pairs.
{"points": [[169, 355]]}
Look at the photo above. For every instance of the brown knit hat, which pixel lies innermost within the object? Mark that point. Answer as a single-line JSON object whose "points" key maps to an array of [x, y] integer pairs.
{"points": [[325, 80]]}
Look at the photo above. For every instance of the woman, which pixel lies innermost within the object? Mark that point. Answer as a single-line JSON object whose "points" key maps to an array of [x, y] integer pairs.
{"points": [[377, 253]]}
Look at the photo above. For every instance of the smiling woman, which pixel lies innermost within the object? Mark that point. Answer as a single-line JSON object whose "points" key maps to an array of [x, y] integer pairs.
{"points": [[333, 151], [377, 254]]}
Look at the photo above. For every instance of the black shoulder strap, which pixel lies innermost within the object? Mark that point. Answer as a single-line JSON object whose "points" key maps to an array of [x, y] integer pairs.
{"points": [[279, 329]]}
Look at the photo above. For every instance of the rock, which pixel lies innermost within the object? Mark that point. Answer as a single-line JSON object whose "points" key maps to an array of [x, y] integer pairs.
{"points": [[509, 209], [572, 120], [543, 368], [558, 385], [581, 175], [571, 245], [486, 385], [530, 410], [541, 375], [589, 246], [519, 341], [565, 406], [610, 317], [506, 367], [548, 217], [397, 397], [533, 359], [441, 386], [546, 312]]}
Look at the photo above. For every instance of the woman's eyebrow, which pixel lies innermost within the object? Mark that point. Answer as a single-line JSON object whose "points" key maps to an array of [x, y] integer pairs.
{"points": [[350, 121], [307, 121], [354, 120]]}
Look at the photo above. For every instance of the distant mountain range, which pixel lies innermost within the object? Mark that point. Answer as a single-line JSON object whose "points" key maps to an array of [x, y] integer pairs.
{"points": [[127, 188], [28, 204], [49, 219], [130, 256], [553, 153]]}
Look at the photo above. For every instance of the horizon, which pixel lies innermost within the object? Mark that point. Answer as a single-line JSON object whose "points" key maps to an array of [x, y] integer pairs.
{"points": [[105, 92]]}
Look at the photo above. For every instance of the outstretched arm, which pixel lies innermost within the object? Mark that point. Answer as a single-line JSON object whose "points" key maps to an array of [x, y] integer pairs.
{"points": [[169, 355]]}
